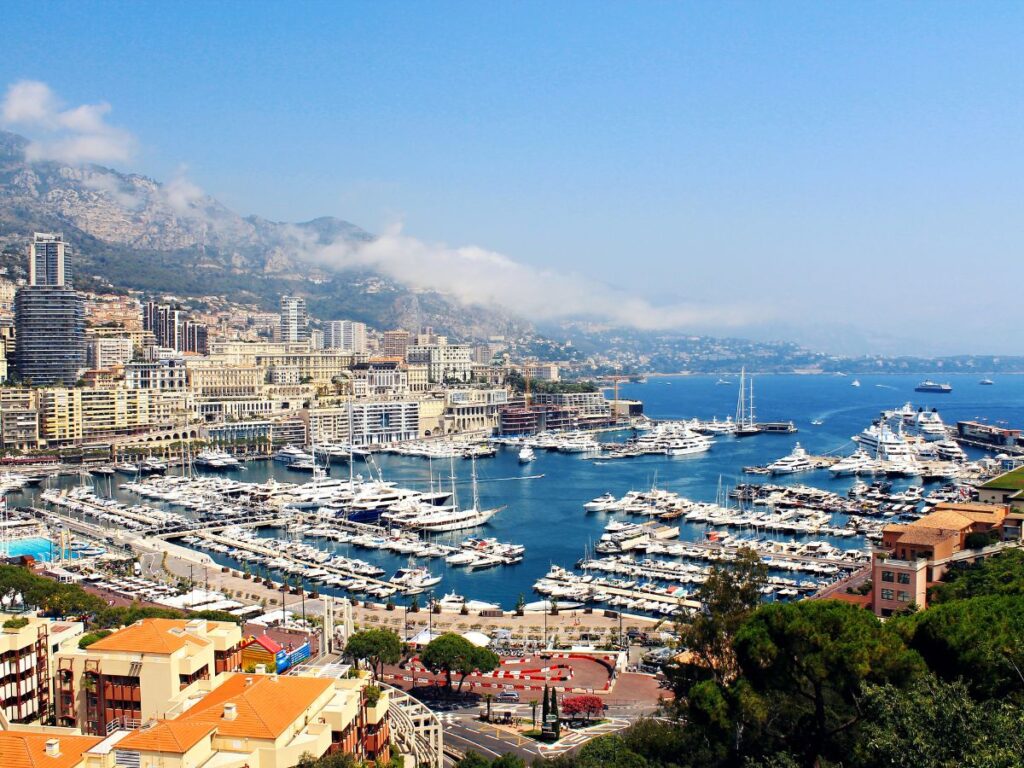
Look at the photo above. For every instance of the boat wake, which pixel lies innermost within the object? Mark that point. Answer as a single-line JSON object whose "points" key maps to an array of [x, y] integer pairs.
{"points": [[885, 386]]}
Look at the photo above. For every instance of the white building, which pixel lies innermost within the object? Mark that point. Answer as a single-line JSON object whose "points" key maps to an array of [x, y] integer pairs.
{"points": [[108, 351], [446, 363], [294, 319], [345, 334], [373, 423]]}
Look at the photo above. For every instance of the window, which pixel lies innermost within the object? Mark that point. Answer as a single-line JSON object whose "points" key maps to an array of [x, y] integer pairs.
{"points": [[887, 576], [903, 578], [887, 594], [903, 597]]}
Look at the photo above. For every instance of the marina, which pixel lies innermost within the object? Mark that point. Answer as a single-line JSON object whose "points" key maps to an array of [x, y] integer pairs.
{"points": [[355, 531]]}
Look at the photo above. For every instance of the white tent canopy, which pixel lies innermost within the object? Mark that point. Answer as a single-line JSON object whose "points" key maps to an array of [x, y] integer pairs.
{"points": [[478, 639]]}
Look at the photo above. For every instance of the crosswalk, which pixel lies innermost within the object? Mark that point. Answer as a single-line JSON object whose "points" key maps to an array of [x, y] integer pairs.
{"points": [[578, 738]]}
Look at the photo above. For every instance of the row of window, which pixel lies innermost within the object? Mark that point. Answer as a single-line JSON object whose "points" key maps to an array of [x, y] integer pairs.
{"points": [[902, 596], [902, 578]]}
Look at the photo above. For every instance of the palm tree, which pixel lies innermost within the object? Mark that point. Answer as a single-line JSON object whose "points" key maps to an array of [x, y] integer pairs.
{"points": [[488, 697]]}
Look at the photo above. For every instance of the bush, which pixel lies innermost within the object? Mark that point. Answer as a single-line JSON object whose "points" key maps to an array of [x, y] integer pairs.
{"points": [[16, 623], [372, 695], [91, 637]]}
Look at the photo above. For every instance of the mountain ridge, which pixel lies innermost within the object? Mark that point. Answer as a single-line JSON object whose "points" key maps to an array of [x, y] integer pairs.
{"points": [[171, 238]]}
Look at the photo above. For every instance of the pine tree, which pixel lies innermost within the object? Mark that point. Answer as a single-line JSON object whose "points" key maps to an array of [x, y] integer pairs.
{"points": [[554, 712], [544, 711]]}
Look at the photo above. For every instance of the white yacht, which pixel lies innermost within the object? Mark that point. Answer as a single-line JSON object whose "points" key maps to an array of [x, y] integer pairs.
{"points": [[604, 503], [688, 444], [950, 450], [928, 425], [215, 459], [857, 463], [797, 461], [292, 453], [415, 577], [883, 443], [526, 455]]}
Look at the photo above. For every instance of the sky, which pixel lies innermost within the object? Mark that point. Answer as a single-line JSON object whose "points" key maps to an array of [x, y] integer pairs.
{"points": [[846, 174]]}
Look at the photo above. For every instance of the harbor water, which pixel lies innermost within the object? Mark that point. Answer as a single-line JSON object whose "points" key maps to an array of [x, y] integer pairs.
{"points": [[543, 501]]}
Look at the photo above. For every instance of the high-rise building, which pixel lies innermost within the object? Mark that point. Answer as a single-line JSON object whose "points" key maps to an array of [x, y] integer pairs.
{"points": [[396, 343], [49, 317], [48, 257], [172, 330], [345, 334], [294, 320]]}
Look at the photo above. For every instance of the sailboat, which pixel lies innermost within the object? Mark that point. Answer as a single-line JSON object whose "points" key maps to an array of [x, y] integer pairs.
{"points": [[745, 424]]}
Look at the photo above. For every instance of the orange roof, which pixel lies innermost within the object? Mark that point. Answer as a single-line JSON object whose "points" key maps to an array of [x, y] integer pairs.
{"points": [[926, 536], [976, 511], [265, 707], [172, 736], [161, 636], [947, 519], [28, 750], [264, 641]]}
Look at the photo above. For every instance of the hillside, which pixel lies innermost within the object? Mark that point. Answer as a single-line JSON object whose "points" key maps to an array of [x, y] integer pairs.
{"points": [[136, 233]]}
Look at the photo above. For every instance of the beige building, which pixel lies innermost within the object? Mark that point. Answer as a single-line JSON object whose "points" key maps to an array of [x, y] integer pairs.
{"points": [[141, 672], [27, 647], [90, 413]]}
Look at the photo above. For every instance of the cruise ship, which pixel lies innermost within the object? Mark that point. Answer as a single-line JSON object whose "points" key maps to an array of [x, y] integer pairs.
{"points": [[931, 386]]}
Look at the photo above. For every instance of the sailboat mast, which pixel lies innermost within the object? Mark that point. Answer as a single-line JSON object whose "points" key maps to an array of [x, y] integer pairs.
{"points": [[741, 405], [476, 494]]}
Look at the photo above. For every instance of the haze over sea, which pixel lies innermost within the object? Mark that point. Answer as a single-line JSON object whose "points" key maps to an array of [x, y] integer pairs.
{"points": [[546, 514]]}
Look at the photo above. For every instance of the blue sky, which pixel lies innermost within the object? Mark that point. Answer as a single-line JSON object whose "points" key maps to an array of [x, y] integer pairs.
{"points": [[842, 173]]}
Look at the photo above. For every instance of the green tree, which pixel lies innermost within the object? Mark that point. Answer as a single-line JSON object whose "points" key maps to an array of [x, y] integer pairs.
{"points": [[472, 760], [935, 724], [451, 653], [731, 592], [809, 660], [377, 647], [545, 708], [980, 639], [608, 752]]}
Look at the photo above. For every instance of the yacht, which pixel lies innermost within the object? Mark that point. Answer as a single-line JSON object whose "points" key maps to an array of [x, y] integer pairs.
{"points": [[415, 577], [688, 444], [855, 383], [928, 424], [986, 382], [881, 441], [291, 453], [950, 450], [127, 468], [858, 462], [214, 459], [797, 461], [526, 455], [605, 503], [153, 466]]}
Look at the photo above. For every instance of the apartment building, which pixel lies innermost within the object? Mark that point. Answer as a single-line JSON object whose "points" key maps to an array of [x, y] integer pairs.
{"points": [[213, 380], [542, 371], [88, 413], [396, 343], [445, 362], [373, 422], [141, 672], [108, 351], [913, 556], [27, 648], [345, 334], [169, 374], [474, 410], [381, 377]]}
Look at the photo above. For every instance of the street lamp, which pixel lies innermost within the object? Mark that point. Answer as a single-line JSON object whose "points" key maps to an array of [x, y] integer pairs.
{"points": [[430, 615]]}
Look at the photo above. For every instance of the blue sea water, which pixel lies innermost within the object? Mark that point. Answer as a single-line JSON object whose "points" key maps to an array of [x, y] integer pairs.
{"points": [[546, 514]]}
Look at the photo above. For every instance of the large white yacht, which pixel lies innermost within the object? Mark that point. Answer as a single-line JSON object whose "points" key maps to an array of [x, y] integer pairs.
{"points": [[880, 441], [857, 463], [797, 461], [688, 444]]}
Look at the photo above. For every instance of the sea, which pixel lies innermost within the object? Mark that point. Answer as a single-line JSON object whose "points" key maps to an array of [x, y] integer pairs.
{"points": [[542, 502]]}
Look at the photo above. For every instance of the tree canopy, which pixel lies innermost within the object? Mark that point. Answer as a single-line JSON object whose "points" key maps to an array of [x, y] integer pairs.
{"points": [[451, 653], [377, 647]]}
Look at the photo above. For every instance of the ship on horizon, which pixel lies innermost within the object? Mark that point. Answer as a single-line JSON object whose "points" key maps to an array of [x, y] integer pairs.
{"points": [[932, 386]]}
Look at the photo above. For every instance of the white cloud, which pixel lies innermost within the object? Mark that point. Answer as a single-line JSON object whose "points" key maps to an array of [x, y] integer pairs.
{"points": [[478, 276], [72, 135]]}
